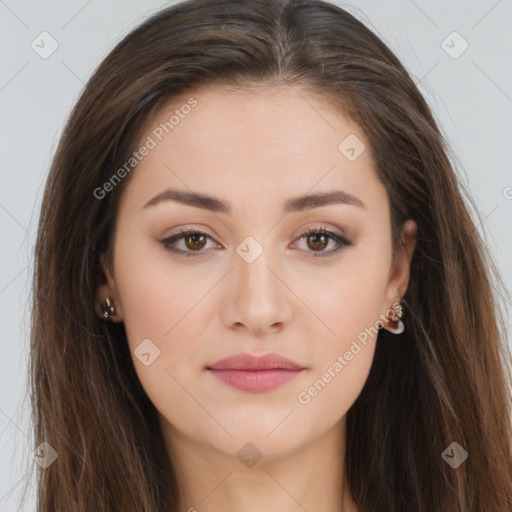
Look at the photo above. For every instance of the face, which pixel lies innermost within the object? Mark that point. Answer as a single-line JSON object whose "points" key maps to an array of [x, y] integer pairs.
{"points": [[248, 278]]}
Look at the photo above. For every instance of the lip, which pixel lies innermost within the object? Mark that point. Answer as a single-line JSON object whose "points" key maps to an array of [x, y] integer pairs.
{"points": [[255, 374]]}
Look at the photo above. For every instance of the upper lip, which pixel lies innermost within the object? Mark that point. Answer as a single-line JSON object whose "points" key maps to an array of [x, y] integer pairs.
{"points": [[250, 362]]}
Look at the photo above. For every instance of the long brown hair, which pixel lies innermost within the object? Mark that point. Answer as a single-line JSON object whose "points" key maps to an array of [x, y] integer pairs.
{"points": [[445, 379]]}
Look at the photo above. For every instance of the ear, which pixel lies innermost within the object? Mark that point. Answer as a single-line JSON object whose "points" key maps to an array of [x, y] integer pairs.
{"points": [[106, 287], [400, 270]]}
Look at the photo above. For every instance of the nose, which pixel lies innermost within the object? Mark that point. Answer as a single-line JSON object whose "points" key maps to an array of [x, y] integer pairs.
{"points": [[260, 303]]}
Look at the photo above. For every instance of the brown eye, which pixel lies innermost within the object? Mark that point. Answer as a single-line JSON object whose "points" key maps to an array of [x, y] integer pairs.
{"points": [[195, 241], [318, 241]]}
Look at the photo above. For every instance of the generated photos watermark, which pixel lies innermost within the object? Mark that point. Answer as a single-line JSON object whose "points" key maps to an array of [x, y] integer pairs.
{"points": [[157, 135], [305, 397]]}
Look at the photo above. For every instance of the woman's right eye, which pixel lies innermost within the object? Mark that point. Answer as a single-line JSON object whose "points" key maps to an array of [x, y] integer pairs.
{"points": [[196, 239]]}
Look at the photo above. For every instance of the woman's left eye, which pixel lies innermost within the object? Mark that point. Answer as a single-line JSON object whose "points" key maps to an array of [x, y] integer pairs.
{"points": [[196, 240], [319, 237]]}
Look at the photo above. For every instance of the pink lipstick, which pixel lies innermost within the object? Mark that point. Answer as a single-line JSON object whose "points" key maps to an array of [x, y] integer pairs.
{"points": [[255, 374]]}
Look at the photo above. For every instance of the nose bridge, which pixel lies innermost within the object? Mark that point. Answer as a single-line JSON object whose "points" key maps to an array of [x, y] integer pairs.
{"points": [[254, 257], [259, 300]]}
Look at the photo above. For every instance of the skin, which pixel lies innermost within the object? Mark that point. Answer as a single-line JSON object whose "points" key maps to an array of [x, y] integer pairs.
{"points": [[255, 149]]}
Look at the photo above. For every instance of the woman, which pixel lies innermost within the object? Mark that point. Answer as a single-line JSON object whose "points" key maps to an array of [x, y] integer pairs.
{"points": [[257, 284]]}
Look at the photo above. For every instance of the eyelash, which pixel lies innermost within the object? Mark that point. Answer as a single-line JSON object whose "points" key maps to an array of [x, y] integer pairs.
{"points": [[341, 240]]}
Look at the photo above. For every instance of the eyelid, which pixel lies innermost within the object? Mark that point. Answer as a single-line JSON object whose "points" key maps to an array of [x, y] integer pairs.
{"points": [[339, 238], [182, 233]]}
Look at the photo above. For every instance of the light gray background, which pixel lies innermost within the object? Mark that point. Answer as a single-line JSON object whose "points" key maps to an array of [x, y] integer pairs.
{"points": [[471, 96]]}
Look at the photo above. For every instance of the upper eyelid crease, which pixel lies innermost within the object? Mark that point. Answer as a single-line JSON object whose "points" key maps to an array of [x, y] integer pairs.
{"points": [[294, 204]]}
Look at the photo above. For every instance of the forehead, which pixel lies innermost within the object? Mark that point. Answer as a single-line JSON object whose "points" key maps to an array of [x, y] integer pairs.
{"points": [[240, 144]]}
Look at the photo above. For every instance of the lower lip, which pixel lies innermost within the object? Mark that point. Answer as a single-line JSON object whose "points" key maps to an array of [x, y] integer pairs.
{"points": [[255, 380]]}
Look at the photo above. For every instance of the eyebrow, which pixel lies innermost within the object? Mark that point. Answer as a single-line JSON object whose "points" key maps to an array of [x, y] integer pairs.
{"points": [[294, 204]]}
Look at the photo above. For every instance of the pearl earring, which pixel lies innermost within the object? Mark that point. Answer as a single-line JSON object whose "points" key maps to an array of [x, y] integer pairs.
{"points": [[396, 317]]}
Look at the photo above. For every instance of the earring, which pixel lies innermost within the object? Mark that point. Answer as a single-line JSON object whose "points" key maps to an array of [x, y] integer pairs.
{"points": [[107, 309], [396, 317]]}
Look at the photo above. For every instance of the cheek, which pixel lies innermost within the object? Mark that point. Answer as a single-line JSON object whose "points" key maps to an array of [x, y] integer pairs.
{"points": [[343, 356], [330, 391], [347, 298], [349, 305], [153, 297], [162, 312]]}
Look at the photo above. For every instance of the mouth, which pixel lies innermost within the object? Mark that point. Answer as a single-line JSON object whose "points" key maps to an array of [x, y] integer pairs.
{"points": [[255, 374]]}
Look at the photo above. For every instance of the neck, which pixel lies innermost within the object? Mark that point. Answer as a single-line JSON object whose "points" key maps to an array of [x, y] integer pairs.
{"points": [[309, 478]]}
